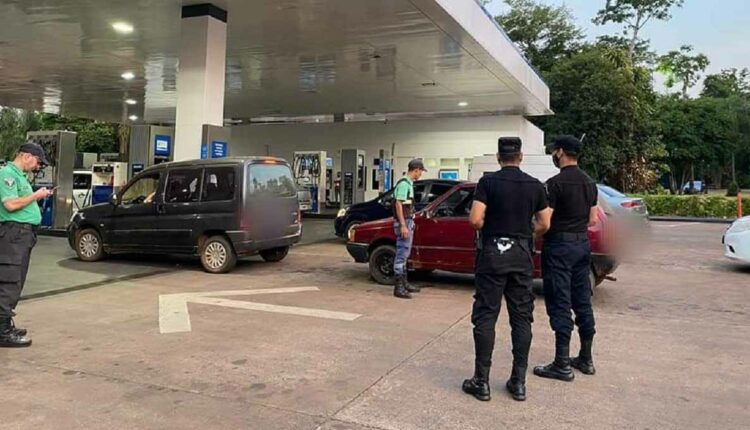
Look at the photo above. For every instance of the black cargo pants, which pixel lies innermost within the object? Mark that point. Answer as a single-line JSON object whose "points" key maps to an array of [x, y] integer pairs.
{"points": [[566, 266], [16, 242], [506, 274]]}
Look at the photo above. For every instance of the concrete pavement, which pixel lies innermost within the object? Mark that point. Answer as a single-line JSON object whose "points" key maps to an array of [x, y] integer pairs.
{"points": [[671, 353]]}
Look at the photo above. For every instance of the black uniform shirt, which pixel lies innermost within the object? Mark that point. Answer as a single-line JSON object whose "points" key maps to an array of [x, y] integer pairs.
{"points": [[572, 194], [512, 198]]}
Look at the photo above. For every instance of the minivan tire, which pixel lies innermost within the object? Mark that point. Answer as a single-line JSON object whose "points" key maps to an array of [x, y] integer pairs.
{"points": [[89, 246], [217, 255], [274, 255], [381, 264]]}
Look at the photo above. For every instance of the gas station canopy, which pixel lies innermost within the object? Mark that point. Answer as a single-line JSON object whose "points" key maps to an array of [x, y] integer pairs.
{"points": [[284, 58]]}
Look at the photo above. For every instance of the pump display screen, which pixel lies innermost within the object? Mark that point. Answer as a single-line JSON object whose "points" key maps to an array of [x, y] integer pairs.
{"points": [[162, 146]]}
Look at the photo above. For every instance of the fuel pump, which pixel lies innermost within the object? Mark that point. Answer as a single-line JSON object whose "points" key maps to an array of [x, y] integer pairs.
{"points": [[60, 149], [384, 172], [353, 177], [107, 178], [310, 171]]}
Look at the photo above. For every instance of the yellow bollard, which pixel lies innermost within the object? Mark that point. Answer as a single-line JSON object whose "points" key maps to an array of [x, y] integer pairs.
{"points": [[739, 205]]}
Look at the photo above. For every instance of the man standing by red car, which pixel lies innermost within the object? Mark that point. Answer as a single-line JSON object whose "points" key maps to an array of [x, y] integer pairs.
{"points": [[403, 207]]}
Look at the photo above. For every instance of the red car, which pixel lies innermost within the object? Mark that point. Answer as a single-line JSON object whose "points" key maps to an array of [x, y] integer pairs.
{"points": [[444, 240]]}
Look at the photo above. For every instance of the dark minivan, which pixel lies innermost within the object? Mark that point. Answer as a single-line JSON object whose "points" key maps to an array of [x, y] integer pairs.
{"points": [[425, 192], [217, 209]]}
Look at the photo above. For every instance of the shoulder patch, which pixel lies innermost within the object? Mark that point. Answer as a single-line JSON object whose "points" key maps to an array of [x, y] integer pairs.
{"points": [[10, 182]]}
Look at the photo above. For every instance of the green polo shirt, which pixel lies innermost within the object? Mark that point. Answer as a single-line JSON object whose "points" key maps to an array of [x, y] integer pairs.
{"points": [[14, 184], [404, 190]]}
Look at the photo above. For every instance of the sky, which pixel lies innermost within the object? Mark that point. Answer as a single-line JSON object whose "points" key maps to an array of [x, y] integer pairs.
{"points": [[719, 29]]}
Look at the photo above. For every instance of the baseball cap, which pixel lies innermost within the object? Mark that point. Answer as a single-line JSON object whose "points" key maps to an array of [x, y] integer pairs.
{"points": [[509, 145], [567, 143], [35, 150], [416, 164]]}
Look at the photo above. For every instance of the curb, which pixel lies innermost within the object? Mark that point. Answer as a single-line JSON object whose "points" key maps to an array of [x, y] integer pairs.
{"points": [[691, 219]]}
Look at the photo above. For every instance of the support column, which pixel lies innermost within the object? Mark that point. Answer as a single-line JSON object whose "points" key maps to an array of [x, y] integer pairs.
{"points": [[200, 78]]}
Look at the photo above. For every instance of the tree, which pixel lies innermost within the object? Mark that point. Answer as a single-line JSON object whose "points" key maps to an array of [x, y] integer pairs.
{"points": [[728, 83], [680, 66], [14, 124], [598, 92], [543, 33], [635, 14]]}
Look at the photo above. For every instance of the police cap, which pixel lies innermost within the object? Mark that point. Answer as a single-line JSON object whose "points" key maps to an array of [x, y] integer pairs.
{"points": [[569, 144], [509, 145]]}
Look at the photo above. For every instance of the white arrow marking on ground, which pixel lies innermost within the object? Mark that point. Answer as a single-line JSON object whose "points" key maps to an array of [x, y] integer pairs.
{"points": [[175, 318]]}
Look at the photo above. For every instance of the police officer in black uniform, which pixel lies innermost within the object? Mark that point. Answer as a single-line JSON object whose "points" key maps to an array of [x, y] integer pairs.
{"points": [[504, 204], [566, 261]]}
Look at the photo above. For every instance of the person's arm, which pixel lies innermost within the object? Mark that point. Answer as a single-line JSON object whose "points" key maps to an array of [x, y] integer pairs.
{"points": [[476, 217], [13, 204], [594, 212], [543, 214], [399, 196], [479, 207], [543, 222]]}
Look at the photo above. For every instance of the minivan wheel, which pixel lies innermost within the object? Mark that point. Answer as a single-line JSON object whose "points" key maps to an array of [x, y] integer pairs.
{"points": [[217, 255], [274, 255], [89, 246], [381, 264]]}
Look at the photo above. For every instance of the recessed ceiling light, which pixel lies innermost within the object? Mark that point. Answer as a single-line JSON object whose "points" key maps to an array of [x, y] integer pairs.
{"points": [[131, 102], [122, 27], [128, 76], [133, 117], [463, 104]]}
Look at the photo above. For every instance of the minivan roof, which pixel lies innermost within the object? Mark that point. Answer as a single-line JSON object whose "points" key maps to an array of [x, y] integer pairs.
{"points": [[211, 162]]}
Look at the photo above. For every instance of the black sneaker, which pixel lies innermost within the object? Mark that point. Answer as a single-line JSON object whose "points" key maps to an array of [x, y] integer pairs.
{"points": [[10, 339], [477, 388]]}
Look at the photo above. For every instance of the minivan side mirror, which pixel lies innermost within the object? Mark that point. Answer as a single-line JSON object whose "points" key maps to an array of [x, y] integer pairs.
{"points": [[113, 199]]}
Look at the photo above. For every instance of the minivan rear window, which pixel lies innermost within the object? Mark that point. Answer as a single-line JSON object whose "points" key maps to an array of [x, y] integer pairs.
{"points": [[270, 180]]}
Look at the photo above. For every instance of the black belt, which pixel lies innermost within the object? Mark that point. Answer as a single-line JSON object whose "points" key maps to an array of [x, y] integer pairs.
{"points": [[567, 237], [21, 225]]}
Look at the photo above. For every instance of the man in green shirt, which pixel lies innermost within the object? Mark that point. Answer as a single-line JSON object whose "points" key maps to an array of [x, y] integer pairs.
{"points": [[19, 219], [403, 225]]}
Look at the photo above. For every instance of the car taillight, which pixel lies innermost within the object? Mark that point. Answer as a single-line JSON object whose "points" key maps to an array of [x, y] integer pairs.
{"points": [[631, 204]]}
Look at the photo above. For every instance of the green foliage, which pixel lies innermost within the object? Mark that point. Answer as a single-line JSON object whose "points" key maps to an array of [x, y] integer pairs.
{"points": [[635, 14], [544, 33], [693, 206], [680, 66], [728, 83], [733, 190], [597, 92], [93, 136]]}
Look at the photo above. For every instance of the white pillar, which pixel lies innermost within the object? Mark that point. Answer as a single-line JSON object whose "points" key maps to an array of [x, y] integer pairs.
{"points": [[200, 77]]}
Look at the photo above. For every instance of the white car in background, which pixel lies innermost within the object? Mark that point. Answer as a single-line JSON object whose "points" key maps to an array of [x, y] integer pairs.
{"points": [[737, 240]]}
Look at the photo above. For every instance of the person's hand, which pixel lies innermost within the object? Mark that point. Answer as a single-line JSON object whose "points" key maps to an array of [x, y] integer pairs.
{"points": [[404, 232], [43, 193]]}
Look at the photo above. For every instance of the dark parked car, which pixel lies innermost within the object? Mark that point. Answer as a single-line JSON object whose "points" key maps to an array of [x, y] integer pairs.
{"points": [[444, 240], [217, 209], [425, 192]]}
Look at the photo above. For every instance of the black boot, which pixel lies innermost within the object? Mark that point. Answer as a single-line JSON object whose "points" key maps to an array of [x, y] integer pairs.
{"points": [[399, 290], [584, 362], [478, 388], [409, 287], [516, 385], [9, 338], [560, 368]]}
